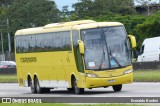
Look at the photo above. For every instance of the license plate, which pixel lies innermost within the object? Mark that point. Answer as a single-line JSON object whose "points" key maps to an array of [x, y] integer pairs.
{"points": [[111, 81]]}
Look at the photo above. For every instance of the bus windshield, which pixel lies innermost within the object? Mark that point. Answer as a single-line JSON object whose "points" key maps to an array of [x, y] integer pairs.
{"points": [[106, 48]]}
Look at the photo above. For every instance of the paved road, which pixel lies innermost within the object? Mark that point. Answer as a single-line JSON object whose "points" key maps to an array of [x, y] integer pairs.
{"points": [[129, 90]]}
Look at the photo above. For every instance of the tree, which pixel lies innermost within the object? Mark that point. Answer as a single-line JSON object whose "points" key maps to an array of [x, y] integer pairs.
{"points": [[84, 8], [32, 13], [150, 28], [115, 6], [65, 14], [93, 8], [4, 3], [25, 14]]}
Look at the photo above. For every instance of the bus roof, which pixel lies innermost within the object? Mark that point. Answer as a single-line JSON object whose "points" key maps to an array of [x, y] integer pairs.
{"points": [[75, 25]]}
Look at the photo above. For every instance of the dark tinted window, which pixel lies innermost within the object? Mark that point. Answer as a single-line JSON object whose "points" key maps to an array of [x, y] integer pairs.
{"points": [[24, 44], [66, 41], [57, 41], [39, 43], [75, 37], [17, 44], [48, 42], [31, 43], [142, 49]]}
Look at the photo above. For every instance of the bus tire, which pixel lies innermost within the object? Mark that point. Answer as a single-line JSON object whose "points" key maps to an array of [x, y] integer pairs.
{"points": [[117, 88], [77, 90], [38, 88], [70, 89], [46, 90], [32, 86]]}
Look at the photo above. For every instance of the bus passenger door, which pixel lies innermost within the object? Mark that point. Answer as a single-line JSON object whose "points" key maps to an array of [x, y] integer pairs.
{"points": [[78, 60]]}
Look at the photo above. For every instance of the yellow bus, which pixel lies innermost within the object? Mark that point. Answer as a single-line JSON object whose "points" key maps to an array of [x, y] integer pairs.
{"points": [[74, 55]]}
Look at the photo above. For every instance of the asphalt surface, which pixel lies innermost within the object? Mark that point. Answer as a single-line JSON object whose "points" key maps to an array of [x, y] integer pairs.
{"points": [[128, 90]]}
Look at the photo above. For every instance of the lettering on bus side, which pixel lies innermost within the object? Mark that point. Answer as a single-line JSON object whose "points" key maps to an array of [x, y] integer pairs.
{"points": [[28, 60]]}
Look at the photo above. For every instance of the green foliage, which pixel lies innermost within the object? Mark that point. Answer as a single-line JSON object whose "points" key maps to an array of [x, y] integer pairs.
{"points": [[84, 8], [102, 7], [31, 13], [25, 14], [115, 6], [150, 28], [6, 2]]}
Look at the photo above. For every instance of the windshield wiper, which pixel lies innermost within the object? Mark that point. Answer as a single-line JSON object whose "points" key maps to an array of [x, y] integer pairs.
{"points": [[103, 57], [110, 54]]}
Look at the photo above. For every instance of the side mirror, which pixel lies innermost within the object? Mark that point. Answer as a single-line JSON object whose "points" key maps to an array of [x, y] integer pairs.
{"points": [[132, 40], [81, 46]]}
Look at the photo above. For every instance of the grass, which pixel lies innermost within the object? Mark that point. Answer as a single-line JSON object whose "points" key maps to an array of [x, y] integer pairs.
{"points": [[53, 104], [147, 76], [8, 78]]}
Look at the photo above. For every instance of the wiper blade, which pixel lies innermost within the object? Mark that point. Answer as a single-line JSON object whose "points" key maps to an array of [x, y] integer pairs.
{"points": [[116, 61], [110, 54], [103, 57]]}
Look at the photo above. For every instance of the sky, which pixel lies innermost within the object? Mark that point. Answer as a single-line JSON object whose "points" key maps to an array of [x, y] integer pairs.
{"points": [[61, 3]]}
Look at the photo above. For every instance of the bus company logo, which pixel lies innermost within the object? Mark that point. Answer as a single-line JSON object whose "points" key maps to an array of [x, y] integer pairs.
{"points": [[6, 100], [28, 60]]}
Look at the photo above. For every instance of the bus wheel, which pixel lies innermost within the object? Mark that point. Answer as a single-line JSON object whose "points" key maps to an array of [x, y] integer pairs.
{"points": [[117, 88], [77, 90], [32, 86], [38, 88], [70, 89], [46, 90]]}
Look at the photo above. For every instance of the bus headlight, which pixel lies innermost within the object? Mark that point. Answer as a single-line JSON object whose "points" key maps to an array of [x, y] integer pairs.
{"points": [[92, 75], [128, 71]]}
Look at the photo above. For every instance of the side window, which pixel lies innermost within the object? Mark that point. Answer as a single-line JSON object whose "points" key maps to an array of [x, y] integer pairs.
{"points": [[31, 43], [24, 44], [48, 42], [75, 37], [57, 41], [18, 43], [142, 49], [53, 41], [77, 55], [39, 43], [66, 41]]}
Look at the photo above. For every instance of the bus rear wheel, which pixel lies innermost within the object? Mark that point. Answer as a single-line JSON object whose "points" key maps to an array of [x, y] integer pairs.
{"points": [[39, 89], [70, 89], [77, 90], [117, 88], [32, 86]]}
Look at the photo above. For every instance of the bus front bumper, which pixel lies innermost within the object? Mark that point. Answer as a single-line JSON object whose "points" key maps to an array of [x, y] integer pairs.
{"points": [[104, 82]]}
